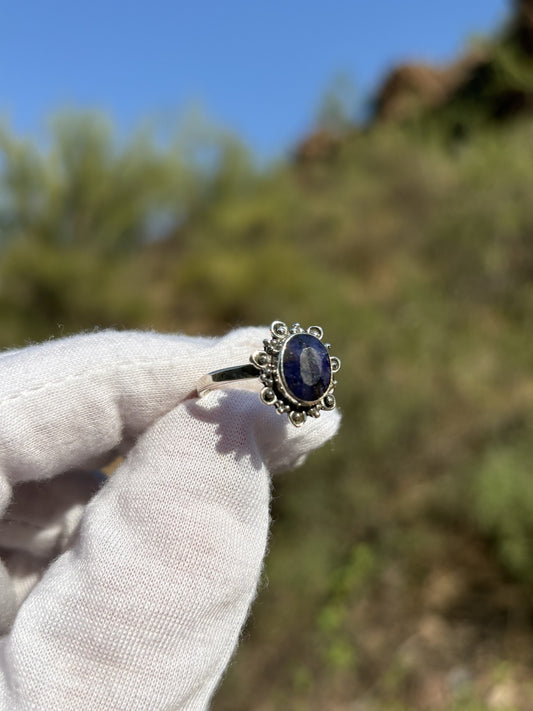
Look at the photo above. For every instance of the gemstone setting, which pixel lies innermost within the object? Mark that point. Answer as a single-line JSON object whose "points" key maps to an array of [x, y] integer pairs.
{"points": [[305, 368], [297, 371]]}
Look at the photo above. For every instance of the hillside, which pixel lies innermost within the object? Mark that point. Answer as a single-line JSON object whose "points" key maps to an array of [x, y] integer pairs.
{"points": [[400, 574]]}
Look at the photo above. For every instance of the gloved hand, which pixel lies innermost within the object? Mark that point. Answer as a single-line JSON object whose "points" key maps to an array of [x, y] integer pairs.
{"points": [[130, 595]]}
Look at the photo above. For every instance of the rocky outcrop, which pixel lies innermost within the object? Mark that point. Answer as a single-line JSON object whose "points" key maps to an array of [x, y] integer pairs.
{"points": [[495, 83], [413, 88], [320, 146]]}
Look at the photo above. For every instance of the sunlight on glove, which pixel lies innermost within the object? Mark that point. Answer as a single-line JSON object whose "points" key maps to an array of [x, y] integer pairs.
{"points": [[130, 595]]}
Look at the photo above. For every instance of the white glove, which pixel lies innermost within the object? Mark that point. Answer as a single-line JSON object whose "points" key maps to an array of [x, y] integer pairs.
{"points": [[133, 601]]}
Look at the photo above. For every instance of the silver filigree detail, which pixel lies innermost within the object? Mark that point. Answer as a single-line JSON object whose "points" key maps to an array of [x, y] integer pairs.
{"points": [[274, 392]]}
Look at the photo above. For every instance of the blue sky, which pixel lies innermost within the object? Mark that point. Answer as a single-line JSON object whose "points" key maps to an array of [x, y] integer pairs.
{"points": [[257, 67]]}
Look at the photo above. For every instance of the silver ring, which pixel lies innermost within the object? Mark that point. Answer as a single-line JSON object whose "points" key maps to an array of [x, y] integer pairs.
{"points": [[295, 368]]}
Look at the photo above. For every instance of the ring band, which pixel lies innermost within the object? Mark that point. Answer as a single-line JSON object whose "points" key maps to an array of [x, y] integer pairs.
{"points": [[295, 368]]}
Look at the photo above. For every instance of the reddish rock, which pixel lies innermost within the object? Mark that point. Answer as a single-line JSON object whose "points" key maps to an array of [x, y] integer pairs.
{"points": [[318, 147], [414, 87]]}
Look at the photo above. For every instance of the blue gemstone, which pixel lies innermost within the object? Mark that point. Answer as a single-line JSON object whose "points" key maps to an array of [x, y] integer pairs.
{"points": [[305, 367]]}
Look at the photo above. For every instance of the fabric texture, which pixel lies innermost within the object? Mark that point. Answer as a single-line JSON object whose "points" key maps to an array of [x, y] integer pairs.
{"points": [[130, 594]]}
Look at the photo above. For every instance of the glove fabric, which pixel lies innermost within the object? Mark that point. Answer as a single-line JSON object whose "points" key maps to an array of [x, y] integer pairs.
{"points": [[129, 595]]}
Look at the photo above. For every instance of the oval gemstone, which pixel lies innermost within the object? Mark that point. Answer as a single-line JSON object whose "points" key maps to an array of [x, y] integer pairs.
{"points": [[305, 367]]}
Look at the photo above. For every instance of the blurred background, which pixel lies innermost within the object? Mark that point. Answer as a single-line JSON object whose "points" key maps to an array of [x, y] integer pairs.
{"points": [[364, 166]]}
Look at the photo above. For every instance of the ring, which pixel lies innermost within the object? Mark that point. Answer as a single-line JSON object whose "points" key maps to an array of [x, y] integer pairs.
{"points": [[295, 368]]}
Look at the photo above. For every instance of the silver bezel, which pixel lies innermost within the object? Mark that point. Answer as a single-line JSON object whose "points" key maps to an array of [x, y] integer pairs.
{"points": [[275, 391]]}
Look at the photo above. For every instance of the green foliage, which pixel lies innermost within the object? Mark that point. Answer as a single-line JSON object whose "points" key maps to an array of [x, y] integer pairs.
{"points": [[338, 108], [503, 499], [350, 581]]}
